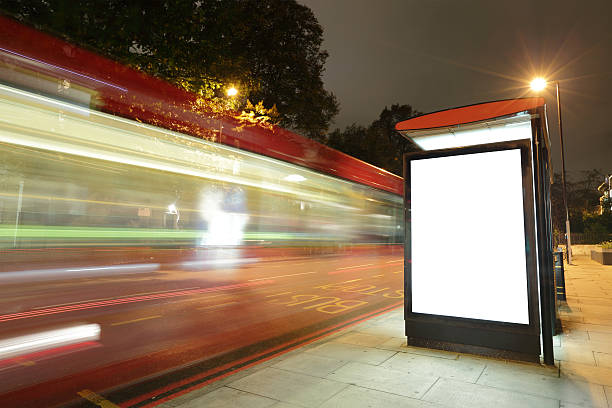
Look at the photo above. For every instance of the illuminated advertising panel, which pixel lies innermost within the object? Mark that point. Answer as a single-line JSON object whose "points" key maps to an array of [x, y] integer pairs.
{"points": [[468, 237]]}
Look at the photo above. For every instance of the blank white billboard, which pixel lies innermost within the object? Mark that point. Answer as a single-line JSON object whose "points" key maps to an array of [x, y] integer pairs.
{"points": [[468, 237]]}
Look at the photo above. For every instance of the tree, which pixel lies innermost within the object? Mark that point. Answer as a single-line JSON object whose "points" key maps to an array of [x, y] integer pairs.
{"points": [[379, 144], [269, 49], [582, 203]]}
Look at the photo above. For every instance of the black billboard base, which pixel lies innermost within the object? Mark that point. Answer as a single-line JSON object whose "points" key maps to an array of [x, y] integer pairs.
{"points": [[475, 350]]}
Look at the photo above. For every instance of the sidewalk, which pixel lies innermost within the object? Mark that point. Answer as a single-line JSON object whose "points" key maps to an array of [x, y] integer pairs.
{"points": [[369, 365]]}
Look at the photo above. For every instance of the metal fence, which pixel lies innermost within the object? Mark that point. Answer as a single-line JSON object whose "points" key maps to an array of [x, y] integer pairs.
{"points": [[581, 238]]}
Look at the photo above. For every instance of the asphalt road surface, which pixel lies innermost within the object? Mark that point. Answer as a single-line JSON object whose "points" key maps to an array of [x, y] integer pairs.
{"points": [[171, 326]]}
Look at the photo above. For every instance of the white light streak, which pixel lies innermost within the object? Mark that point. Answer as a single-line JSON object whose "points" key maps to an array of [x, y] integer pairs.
{"points": [[30, 343]]}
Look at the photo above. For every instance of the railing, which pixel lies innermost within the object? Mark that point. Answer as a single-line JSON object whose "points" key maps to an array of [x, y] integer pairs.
{"points": [[581, 238]]}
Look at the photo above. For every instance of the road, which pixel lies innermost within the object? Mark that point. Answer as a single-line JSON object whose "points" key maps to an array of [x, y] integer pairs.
{"points": [[166, 327]]}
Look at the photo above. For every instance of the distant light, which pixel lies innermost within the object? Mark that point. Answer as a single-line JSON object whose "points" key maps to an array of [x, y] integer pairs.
{"points": [[294, 177], [538, 84], [172, 209], [231, 91]]}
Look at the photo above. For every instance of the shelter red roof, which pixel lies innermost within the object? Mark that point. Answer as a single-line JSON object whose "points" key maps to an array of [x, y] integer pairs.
{"points": [[469, 114]]}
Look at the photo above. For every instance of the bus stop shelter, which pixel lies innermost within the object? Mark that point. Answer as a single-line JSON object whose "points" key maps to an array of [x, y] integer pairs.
{"points": [[478, 250]]}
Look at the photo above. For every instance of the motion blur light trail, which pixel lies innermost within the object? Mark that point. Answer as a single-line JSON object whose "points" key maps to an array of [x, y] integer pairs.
{"points": [[188, 259], [91, 305], [48, 339], [208, 328]]}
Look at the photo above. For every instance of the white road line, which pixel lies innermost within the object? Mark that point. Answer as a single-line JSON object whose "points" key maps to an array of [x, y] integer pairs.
{"points": [[280, 276], [354, 266]]}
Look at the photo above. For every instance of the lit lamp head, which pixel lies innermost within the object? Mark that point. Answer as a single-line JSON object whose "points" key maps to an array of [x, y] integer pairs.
{"points": [[538, 84], [232, 91]]}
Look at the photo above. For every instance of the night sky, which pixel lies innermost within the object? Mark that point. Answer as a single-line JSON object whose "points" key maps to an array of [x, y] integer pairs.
{"points": [[441, 54]]}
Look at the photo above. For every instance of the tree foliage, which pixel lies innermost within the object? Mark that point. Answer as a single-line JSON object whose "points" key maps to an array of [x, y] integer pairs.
{"points": [[269, 49], [582, 202], [379, 144]]}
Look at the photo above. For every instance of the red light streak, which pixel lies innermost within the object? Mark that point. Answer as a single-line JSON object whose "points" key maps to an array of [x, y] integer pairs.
{"points": [[92, 305]]}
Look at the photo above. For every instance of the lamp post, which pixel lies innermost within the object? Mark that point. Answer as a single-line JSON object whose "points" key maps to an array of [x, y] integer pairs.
{"points": [[537, 85]]}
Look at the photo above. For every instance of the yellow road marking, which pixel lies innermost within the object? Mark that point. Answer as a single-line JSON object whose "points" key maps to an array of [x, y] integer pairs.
{"points": [[216, 306], [352, 280], [97, 399], [377, 276], [401, 260], [398, 271], [279, 294], [136, 320], [354, 266], [280, 276]]}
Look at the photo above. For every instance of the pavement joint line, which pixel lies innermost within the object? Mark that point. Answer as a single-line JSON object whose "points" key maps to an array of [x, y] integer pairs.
{"points": [[96, 399], [280, 276], [136, 320], [481, 373], [429, 389]]}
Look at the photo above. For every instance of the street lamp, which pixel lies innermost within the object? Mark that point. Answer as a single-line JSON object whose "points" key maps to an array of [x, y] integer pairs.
{"points": [[537, 85], [230, 92]]}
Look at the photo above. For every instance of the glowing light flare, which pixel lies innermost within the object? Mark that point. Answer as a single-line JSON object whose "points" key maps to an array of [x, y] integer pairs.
{"points": [[294, 178], [231, 92], [538, 84]]}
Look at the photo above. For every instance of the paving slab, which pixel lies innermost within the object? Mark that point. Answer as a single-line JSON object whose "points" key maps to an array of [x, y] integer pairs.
{"points": [[564, 389], [383, 379], [588, 373], [576, 354], [351, 352], [399, 344], [225, 397], [359, 397], [594, 335], [463, 370], [603, 359], [459, 394], [311, 364], [513, 367], [286, 386], [282, 405], [388, 329], [362, 339]]}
